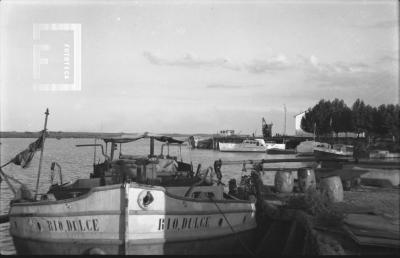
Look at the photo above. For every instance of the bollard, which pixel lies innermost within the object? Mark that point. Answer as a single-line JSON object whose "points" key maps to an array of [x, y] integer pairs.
{"points": [[306, 179], [284, 181], [332, 186]]}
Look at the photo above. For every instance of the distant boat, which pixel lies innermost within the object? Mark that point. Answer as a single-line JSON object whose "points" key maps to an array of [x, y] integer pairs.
{"points": [[203, 143], [383, 154], [256, 145], [337, 150], [306, 148]]}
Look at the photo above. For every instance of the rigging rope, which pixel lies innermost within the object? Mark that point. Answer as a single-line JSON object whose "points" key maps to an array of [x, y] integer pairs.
{"points": [[238, 237], [6, 177], [8, 182]]}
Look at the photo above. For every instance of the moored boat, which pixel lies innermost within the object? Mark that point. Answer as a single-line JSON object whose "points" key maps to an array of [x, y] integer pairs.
{"points": [[281, 151], [306, 148], [135, 204], [337, 150], [200, 143], [383, 154], [256, 145]]}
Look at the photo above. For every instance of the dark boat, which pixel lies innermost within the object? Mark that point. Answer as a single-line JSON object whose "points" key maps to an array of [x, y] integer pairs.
{"points": [[336, 151], [281, 151]]}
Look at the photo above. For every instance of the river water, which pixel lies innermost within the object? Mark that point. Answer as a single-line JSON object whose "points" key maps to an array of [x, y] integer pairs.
{"points": [[77, 162]]}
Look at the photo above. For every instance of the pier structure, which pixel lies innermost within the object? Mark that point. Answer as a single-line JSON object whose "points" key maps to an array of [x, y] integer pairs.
{"points": [[291, 141], [289, 224]]}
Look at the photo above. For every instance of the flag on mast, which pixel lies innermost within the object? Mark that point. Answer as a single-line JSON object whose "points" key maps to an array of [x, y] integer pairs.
{"points": [[24, 157]]}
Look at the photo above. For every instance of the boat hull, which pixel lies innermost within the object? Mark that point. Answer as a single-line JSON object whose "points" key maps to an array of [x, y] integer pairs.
{"points": [[238, 147], [383, 154], [280, 151], [115, 220], [243, 147], [305, 154], [332, 154], [220, 245]]}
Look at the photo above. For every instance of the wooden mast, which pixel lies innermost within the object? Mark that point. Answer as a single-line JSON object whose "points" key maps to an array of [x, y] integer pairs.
{"points": [[41, 152], [284, 124]]}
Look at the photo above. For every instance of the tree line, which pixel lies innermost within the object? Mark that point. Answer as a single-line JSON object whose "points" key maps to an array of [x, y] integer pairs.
{"points": [[335, 116]]}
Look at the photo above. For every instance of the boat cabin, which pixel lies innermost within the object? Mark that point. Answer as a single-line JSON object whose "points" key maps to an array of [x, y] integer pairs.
{"points": [[343, 147], [255, 142]]}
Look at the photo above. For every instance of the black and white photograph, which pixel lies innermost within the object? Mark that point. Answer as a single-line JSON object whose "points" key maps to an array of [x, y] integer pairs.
{"points": [[189, 127]]}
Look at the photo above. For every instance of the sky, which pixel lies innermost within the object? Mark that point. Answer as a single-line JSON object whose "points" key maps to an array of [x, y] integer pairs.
{"points": [[193, 66]]}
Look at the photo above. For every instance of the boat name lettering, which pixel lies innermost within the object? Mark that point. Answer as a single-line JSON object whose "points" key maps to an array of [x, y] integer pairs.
{"points": [[78, 225], [183, 223]]}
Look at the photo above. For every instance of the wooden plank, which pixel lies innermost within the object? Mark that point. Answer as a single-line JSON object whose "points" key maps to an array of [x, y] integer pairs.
{"points": [[345, 174], [379, 163], [372, 222], [310, 159], [374, 233], [352, 208], [374, 241], [279, 169], [349, 161]]}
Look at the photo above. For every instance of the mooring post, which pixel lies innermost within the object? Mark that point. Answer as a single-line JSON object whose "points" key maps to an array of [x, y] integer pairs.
{"points": [[41, 152]]}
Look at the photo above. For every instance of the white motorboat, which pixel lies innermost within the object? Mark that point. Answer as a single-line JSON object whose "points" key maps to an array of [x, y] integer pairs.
{"points": [[337, 150], [256, 145]]}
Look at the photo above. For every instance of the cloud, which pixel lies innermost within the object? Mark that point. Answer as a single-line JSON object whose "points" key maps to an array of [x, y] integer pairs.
{"points": [[379, 25], [190, 61], [230, 86], [257, 66], [385, 24], [311, 66], [270, 64], [356, 76], [222, 86], [388, 59], [341, 75], [363, 81], [340, 68]]}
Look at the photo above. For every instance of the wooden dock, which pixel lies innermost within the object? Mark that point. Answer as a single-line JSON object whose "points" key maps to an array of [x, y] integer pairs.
{"points": [[354, 227], [285, 231]]}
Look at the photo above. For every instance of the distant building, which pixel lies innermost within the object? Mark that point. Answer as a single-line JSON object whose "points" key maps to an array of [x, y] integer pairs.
{"points": [[298, 130]]}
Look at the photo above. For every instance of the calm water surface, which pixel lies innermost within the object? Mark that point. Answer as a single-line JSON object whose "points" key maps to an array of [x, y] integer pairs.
{"points": [[77, 162]]}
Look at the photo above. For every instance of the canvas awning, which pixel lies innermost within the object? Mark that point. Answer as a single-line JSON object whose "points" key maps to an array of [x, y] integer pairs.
{"points": [[121, 139], [168, 139], [160, 138]]}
